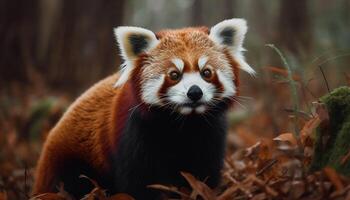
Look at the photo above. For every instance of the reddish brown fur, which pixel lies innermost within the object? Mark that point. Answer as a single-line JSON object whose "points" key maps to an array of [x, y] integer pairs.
{"points": [[235, 69]]}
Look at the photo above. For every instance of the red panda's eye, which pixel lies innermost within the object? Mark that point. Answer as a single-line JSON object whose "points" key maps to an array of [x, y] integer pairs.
{"points": [[174, 75], [206, 73]]}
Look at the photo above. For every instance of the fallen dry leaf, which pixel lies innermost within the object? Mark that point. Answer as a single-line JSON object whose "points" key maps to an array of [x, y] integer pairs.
{"points": [[345, 159], [260, 196], [307, 132], [321, 111], [268, 165], [49, 196], [60, 195], [202, 189], [287, 137], [281, 71], [172, 189], [252, 150], [96, 193], [334, 178], [3, 196], [298, 189]]}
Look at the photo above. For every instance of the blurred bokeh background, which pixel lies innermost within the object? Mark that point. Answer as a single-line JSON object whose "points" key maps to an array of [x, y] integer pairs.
{"points": [[53, 50]]}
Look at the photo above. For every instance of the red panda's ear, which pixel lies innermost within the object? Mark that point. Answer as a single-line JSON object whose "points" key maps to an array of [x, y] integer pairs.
{"points": [[132, 41], [230, 34]]}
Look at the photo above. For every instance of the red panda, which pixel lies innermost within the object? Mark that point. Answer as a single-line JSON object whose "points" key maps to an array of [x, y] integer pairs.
{"points": [[163, 113]]}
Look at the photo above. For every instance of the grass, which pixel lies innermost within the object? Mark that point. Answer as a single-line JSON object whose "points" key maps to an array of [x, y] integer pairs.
{"points": [[293, 89]]}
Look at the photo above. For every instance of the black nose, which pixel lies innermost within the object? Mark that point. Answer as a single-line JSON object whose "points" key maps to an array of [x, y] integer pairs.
{"points": [[194, 93]]}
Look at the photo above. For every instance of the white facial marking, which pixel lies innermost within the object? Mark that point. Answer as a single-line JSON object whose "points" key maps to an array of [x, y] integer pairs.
{"points": [[200, 109], [150, 90], [178, 63], [227, 82], [178, 92], [185, 110], [202, 61]]}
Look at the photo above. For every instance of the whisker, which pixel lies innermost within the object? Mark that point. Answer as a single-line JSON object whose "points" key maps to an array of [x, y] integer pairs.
{"points": [[243, 106], [134, 108], [205, 118], [138, 105], [245, 97]]}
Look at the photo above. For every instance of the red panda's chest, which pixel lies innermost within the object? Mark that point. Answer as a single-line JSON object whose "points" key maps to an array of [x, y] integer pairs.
{"points": [[158, 145]]}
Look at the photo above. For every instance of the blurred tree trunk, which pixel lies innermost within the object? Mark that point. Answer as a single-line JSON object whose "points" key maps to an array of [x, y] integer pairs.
{"points": [[229, 8], [18, 36], [197, 10], [69, 43], [259, 10], [83, 48], [294, 26]]}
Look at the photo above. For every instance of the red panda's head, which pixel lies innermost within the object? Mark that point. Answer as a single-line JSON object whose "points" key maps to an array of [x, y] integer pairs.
{"points": [[188, 70]]}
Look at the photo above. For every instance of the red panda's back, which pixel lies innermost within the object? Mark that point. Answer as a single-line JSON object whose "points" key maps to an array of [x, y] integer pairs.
{"points": [[83, 133]]}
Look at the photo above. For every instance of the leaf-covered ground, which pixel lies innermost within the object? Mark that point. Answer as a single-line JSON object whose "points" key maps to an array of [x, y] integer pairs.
{"points": [[265, 159]]}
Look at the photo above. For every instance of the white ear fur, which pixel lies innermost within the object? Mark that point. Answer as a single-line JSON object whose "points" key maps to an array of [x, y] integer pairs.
{"points": [[230, 34], [132, 41]]}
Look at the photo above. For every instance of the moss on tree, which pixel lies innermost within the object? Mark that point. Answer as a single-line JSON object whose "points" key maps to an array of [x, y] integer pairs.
{"points": [[333, 137]]}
